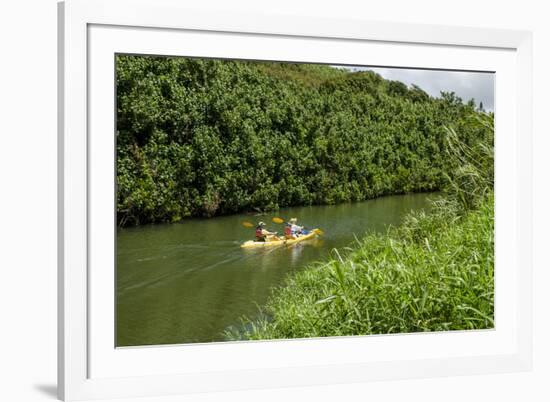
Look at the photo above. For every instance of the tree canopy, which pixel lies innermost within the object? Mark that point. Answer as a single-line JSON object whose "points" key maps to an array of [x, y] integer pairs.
{"points": [[204, 137]]}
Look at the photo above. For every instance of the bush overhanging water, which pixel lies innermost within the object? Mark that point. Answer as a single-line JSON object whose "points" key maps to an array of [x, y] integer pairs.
{"points": [[209, 137]]}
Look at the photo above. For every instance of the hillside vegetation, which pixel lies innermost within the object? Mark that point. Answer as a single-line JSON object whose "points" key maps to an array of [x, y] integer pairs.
{"points": [[199, 137]]}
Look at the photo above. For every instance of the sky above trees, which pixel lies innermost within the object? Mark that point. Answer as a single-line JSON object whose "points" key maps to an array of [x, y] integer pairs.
{"points": [[467, 85]]}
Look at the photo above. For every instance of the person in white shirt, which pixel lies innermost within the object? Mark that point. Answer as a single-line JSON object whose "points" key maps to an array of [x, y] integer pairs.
{"points": [[295, 230]]}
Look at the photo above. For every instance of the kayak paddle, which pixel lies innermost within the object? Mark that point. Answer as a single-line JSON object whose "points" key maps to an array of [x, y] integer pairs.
{"points": [[247, 224], [277, 220]]}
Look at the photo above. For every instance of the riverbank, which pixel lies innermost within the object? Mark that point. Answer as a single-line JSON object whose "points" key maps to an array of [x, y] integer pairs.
{"points": [[434, 273]]}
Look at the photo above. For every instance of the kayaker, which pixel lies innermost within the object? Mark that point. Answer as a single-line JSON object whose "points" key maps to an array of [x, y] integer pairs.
{"points": [[288, 231], [261, 233], [295, 230]]}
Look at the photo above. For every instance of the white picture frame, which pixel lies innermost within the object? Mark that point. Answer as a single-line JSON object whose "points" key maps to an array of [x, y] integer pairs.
{"points": [[91, 32]]}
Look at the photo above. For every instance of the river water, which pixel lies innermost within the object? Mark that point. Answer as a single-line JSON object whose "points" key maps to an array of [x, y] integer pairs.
{"points": [[188, 282]]}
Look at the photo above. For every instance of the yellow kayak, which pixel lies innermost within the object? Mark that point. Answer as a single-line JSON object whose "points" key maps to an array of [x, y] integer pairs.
{"points": [[279, 241]]}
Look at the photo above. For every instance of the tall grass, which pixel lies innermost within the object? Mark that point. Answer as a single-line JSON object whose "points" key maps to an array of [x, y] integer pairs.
{"points": [[433, 273], [471, 173]]}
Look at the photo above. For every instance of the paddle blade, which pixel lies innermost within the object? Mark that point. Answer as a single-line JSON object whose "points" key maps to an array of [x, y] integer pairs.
{"points": [[247, 224], [277, 220]]}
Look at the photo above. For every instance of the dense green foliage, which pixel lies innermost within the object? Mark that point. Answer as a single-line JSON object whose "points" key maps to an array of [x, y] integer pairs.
{"points": [[200, 137], [435, 272]]}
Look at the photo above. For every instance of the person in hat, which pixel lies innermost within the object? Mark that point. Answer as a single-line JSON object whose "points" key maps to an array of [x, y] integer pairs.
{"points": [[295, 230], [262, 234]]}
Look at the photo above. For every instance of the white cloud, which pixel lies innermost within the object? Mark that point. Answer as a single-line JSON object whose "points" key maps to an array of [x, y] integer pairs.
{"points": [[467, 85]]}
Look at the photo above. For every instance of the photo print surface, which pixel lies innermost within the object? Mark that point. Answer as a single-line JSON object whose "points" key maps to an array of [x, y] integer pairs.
{"points": [[273, 200]]}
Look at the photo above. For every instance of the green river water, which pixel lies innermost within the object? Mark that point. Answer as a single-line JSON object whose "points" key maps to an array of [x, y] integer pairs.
{"points": [[188, 282]]}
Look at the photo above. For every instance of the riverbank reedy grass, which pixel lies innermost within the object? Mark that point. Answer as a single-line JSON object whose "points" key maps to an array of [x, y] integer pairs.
{"points": [[434, 273]]}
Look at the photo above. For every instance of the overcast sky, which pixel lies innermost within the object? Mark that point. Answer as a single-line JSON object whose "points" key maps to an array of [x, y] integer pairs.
{"points": [[466, 85]]}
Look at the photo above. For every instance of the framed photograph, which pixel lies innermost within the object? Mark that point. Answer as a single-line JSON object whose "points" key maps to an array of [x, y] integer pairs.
{"points": [[253, 201]]}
